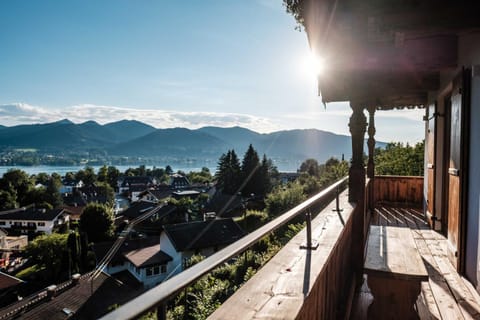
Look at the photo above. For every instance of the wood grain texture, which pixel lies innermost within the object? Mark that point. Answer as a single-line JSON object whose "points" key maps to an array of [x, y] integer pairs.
{"points": [[301, 284], [392, 253], [399, 189], [446, 295], [453, 218]]}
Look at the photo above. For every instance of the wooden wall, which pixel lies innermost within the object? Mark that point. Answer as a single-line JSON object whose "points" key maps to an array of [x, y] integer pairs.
{"points": [[398, 189]]}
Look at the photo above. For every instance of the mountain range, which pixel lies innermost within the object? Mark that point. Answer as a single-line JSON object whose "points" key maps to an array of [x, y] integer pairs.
{"points": [[133, 138]]}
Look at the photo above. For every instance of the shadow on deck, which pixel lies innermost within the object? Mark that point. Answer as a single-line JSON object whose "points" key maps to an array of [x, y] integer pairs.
{"points": [[446, 295]]}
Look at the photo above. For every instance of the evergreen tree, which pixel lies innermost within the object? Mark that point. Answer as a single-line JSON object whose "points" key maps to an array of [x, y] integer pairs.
{"points": [[228, 172], [251, 175], [73, 245]]}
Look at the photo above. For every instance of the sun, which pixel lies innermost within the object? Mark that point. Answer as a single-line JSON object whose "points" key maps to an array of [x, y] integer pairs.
{"points": [[313, 64]]}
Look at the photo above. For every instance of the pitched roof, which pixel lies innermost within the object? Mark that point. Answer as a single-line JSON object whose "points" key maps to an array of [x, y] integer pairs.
{"points": [[144, 257], [203, 234], [7, 281], [160, 193], [128, 180], [138, 208], [84, 300], [129, 245], [31, 214]]}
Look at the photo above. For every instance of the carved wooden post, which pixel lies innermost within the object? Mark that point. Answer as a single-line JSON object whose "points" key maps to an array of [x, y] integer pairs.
{"points": [[371, 154], [356, 189], [356, 182]]}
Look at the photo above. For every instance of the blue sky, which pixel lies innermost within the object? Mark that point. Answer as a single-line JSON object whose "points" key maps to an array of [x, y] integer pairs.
{"points": [[167, 63]]}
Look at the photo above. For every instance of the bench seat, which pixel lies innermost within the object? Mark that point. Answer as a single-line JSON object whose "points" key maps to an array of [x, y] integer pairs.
{"points": [[394, 271]]}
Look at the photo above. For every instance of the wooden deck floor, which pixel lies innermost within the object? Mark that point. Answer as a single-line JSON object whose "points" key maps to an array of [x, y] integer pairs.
{"points": [[446, 295]]}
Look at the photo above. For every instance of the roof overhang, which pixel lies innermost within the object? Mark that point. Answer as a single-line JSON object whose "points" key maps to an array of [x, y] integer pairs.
{"points": [[385, 54]]}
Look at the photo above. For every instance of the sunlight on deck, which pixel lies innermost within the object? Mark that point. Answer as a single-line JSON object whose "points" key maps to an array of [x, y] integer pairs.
{"points": [[446, 295]]}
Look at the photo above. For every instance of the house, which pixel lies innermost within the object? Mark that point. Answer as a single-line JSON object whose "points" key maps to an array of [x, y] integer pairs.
{"points": [[142, 258], [382, 56], [127, 184], [69, 185], [157, 194], [81, 196], [32, 220], [417, 54], [181, 241], [178, 181]]}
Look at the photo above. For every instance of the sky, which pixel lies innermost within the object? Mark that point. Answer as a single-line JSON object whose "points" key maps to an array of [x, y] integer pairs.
{"points": [[169, 64]]}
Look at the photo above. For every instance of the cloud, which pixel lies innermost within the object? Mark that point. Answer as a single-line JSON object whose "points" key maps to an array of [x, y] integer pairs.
{"points": [[21, 113]]}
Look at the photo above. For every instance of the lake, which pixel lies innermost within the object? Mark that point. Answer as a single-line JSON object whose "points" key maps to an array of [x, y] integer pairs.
{"points": [[283, 166], [62, 170]]}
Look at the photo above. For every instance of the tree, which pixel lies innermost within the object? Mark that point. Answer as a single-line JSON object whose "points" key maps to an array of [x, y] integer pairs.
{"points": [[97, 222], [399, 159], [112, 176], [203, 176], [268, 176], [8, 198], [42, 178], [105, 190], [87, 175], [102, 175], [283, 199], [168, 170], [48, 251], [74, 251], [53, 190], [19, 181], [251, 179], [311, 167], [228, 172], [70, 176]]}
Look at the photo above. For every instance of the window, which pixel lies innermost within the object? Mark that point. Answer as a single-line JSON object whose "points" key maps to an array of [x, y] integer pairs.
{"points": [[156, 269], [2, 223], [41, 224]]}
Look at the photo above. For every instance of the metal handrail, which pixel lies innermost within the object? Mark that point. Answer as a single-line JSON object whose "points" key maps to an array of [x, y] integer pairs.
{"points": [[158, 295]]}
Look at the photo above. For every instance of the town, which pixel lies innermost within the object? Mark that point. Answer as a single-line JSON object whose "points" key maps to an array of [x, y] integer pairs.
{"points": [[91, 232]]}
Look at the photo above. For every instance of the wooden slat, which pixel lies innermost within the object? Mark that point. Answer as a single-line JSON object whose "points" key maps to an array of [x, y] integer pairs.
{"points": [[299, 283], [392, 252], [446, 295]]}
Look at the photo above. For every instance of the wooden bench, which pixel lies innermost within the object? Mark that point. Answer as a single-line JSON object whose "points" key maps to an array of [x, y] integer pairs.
{"points": [[394, 271]]}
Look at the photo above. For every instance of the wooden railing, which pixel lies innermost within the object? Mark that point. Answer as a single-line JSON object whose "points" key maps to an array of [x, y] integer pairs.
{"points": [[305, 284], [333, 265], [399, 190]]}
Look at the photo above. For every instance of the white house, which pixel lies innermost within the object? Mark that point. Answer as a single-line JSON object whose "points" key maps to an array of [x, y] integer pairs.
{"points": [[151, 263], [142, 258], [33, 220]]}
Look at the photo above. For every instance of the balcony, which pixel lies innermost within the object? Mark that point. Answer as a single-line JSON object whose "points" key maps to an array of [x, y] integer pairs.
{"points": [[327, 282]]}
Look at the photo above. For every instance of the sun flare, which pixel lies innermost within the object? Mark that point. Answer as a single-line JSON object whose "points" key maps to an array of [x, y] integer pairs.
{"points": [[314, 64]]}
